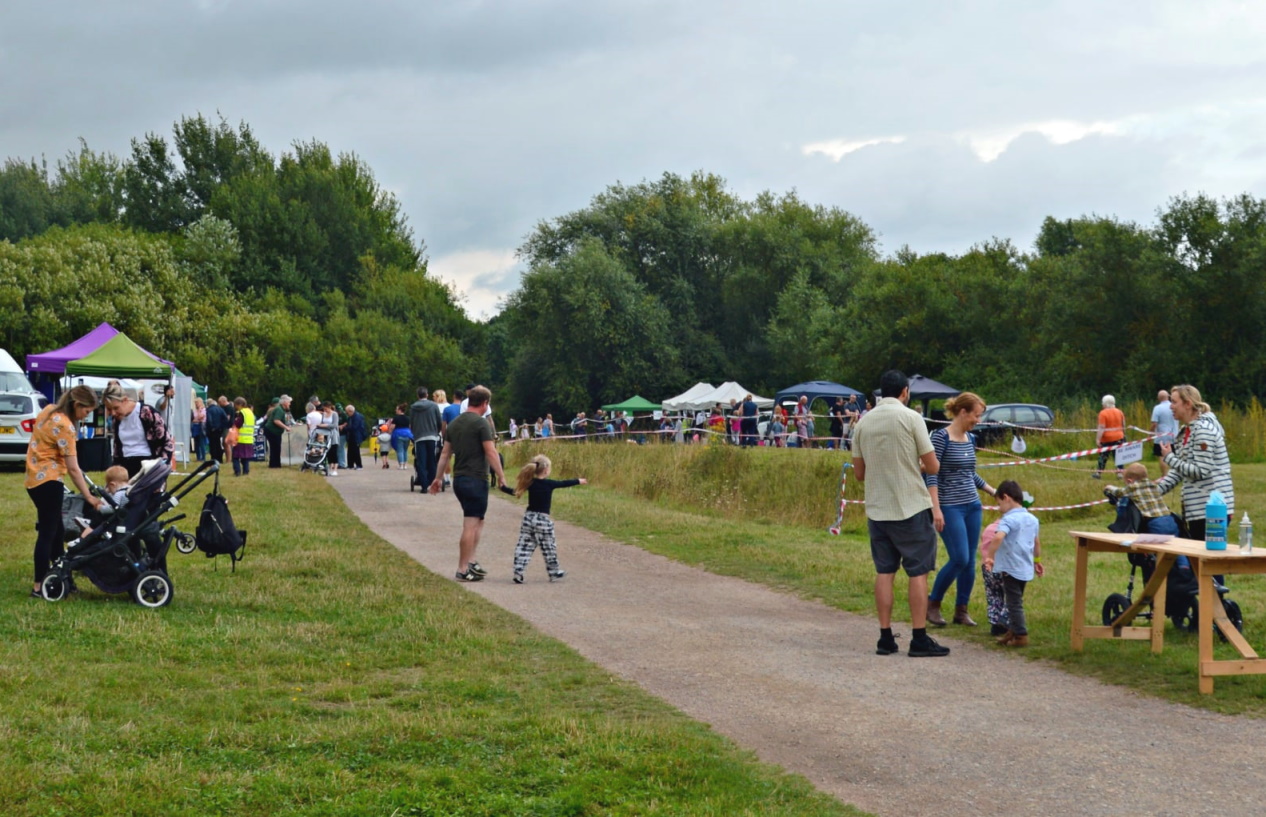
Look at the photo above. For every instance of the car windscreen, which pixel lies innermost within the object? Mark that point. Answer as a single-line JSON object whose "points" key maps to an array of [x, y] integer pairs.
{"points": [[18, 405], [14, 381]]}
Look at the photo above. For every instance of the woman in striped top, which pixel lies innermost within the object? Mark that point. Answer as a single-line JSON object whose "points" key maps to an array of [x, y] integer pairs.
{"points": [[956, 508], [1197, 458]]}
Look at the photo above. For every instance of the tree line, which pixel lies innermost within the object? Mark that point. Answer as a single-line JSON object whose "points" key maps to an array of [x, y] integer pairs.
{"points": [[267, 273]]}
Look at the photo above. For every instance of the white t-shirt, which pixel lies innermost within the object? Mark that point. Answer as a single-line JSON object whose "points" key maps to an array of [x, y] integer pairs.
{"points": [[132, 435], [313, 419], [487, 407]]}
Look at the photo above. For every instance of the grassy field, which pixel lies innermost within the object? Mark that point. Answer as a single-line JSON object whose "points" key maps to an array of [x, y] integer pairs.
{"points": [[763, 514], [331, 675]]}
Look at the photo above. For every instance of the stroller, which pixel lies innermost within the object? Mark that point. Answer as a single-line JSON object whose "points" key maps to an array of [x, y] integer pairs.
{"points": [[126, 550], [1182, 605], [317, 451]]}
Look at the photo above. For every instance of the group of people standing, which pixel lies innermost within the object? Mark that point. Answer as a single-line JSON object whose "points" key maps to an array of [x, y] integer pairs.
{"points": [[919, 484]]}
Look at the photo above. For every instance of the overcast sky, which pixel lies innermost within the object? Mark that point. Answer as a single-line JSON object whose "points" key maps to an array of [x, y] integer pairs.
{"points": [[940, 124]]}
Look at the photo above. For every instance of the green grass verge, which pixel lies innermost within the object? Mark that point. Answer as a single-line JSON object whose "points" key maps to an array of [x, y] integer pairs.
{"points": [[740, 513], [332, 675]]}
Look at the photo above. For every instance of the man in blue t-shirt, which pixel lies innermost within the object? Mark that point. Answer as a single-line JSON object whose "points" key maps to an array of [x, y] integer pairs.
{"points": [[1164, 426]]}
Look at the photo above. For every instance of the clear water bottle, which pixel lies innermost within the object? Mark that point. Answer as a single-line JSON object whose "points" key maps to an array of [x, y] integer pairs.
{"points": [[1246, 535]]}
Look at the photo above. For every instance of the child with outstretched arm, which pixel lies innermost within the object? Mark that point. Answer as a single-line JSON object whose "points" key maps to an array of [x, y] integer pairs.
{"points": [[537, 527]]}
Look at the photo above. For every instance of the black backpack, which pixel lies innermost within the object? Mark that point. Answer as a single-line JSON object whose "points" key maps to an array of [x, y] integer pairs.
{"points": [[216, 532]]}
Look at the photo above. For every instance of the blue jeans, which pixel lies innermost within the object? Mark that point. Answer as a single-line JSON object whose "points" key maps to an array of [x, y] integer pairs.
{"points": [[401, 444], [961, 536], [425, 460]]}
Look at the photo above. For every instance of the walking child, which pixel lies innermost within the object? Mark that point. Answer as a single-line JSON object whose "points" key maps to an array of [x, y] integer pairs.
{"points": [[1015, 554], [538, 527]]}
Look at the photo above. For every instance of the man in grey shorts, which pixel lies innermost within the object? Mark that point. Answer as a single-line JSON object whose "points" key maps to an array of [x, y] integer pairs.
{"points": [[891, 452]]}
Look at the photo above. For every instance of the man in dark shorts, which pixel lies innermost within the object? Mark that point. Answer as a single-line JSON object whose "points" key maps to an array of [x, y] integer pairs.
{"points": [[891, 452], [470, 443]]}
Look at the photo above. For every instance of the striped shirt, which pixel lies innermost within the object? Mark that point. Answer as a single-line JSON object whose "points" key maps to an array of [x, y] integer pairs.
{"points": [[1201, 463], [957, 482]]}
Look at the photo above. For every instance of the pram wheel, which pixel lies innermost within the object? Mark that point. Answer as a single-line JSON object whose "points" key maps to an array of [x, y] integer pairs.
{"points": [[152, 589], [412, 482], [1188, 618], [54, 587], [1113, 607], [185, 543], [1234, 615]]}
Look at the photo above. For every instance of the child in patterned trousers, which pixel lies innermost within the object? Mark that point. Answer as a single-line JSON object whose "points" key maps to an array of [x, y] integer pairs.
{"points": [[995, 604], [538, 527]]}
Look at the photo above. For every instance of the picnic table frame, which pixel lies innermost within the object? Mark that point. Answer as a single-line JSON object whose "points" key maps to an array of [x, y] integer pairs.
{"points": [[1206, 564]]}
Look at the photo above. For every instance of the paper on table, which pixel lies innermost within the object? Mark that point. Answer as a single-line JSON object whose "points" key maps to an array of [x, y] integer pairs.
{"points": [[1147, 539]]}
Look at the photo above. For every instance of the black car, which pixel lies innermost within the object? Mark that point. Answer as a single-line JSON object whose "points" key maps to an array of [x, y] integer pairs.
{"points": [[998, 422]]}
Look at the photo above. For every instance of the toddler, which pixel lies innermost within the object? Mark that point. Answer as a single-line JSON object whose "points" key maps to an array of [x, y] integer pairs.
{"points": [[1015, 553], [995, 602], [116, 484], [1146, 496], [538, 527]]}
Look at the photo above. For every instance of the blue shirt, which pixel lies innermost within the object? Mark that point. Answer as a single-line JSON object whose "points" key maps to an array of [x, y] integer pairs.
{"points": [[1166, 425], [451, 411], [1015, 555]]}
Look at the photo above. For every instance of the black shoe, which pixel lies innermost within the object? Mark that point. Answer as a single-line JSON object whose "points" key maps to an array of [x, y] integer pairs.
{"points": [[555, 575], [927, 647], [477, 569], [518, 577], [997, 629], [887, 646], [35, 594], [469, 576]]}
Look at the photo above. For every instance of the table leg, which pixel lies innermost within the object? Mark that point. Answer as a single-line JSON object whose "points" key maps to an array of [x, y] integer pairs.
{"points": [[1207, 597], [1079, 594], [1158, 604]]}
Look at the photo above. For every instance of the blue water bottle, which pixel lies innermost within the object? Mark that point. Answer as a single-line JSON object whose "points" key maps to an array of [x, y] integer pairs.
{"points": [[1215, 522]]}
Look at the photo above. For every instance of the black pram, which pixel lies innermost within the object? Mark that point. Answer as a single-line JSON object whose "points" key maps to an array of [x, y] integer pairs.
{"points": [[126, 550]]}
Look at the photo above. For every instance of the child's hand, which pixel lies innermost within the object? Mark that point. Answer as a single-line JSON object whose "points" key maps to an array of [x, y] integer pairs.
{"points": [[988, 562], [584, 481], [1039, 570]]}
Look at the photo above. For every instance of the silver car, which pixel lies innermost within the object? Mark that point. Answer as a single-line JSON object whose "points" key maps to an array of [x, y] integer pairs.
{"points": [[19, 406]]}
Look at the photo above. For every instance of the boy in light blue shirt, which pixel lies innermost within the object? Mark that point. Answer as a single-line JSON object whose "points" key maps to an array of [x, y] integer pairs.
{"points": [[1016, 555]]}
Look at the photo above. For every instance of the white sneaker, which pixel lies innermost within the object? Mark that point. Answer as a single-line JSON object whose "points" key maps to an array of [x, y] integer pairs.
{"points": [[334, 473]]}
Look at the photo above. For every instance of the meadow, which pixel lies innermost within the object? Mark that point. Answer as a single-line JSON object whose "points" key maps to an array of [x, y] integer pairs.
{"points": [[331, 675], [763, 515]]}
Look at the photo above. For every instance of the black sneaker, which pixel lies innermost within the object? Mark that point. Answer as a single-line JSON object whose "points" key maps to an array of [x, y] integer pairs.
{"points": [[555, 575], [469, 576], [997, 629], [927, 647], [518, 577], [887, 646], [477, 568]]}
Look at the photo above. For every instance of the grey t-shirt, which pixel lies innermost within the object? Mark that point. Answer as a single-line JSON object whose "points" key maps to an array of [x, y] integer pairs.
{"points": [[467, 435]]}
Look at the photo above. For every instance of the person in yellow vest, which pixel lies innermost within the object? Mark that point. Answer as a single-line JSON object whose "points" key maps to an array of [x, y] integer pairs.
{"points": [[244, 427]]}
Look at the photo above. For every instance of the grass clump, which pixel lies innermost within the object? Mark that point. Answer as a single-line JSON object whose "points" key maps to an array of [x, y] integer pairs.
{"points": [[331, 675]]}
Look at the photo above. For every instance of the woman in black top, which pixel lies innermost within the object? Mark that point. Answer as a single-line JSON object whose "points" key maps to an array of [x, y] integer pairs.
{"points": [[538, 527]]}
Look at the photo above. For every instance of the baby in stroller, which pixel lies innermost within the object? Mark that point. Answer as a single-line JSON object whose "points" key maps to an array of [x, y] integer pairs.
{"points": [[116, 487], [1140, 506]]}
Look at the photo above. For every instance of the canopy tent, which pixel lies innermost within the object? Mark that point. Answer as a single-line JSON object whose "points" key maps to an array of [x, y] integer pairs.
{"points": [[685, 400], [926, 389], [726, 392], [634, 403], [120, 356], [54, 362], [817, 389]]}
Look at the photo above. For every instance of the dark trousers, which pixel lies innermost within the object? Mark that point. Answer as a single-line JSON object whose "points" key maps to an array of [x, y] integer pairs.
{"points": [[132, 464], [425, 460], [48, 524], [353, 456], [216, 440], [274, 450], [1013, 593]]}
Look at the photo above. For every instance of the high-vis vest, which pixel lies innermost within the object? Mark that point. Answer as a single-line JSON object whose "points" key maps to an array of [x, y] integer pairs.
{"points": [[246, 434]]}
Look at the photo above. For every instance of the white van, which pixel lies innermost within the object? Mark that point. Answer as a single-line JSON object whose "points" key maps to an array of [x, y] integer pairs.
{"points": [[20, 404]]}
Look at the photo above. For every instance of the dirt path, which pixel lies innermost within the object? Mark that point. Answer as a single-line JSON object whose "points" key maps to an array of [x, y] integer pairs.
{"points": [[977, 733]]}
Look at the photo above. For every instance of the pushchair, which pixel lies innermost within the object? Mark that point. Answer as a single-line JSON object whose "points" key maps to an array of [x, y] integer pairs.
{"points": [[126, 550], [316, 452], [1182, 605]]}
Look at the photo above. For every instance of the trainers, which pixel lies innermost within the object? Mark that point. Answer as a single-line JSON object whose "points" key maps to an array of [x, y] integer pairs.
{"points": [[477, 568], [927, 648], [518, 577], [469, 576], [887, 646], [555, 575]]}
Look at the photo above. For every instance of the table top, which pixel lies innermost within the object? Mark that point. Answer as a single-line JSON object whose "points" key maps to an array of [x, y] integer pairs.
{"points": [[1181, 547]]}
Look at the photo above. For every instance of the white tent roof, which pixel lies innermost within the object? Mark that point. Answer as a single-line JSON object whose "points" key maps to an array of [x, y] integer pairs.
{"points": [[726, 392], [685, 400]]}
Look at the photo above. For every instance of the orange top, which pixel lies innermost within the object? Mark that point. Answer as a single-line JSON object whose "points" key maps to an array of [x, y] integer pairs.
{"points": [[1113, 422], [52, 441]]}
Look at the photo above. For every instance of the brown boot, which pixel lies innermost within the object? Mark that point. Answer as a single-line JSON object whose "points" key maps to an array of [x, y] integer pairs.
{"points": [[961, 617], [1006, 638], [1019, 641], [934, 614]]}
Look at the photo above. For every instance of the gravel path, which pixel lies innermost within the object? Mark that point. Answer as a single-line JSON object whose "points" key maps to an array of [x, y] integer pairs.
{"points": [[798, 683]]}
